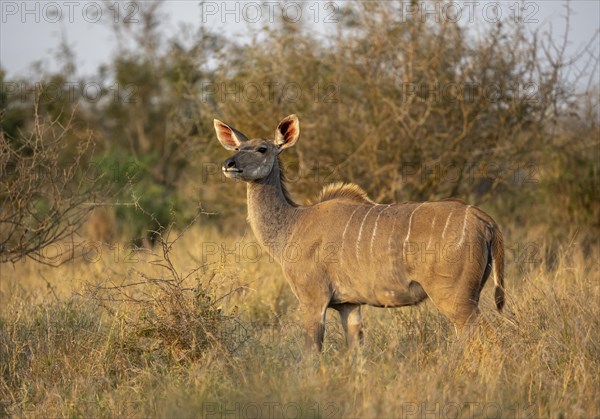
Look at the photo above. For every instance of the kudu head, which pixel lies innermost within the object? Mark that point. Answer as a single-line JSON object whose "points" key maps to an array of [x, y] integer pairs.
{"points": [[255, 158]]}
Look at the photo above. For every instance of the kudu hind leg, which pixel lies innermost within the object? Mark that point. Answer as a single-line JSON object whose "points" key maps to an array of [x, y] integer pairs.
{"points": [[460, 309], [352, 323]]}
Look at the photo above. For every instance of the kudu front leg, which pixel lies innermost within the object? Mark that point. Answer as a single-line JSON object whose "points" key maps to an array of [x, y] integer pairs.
{"points": [[314, 324]]}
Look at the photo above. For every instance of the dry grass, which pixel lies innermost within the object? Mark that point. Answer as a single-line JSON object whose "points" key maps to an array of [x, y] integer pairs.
{"points": [[72, 346]]}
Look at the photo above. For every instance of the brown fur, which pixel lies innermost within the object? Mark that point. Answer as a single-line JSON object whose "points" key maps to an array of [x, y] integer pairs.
{"points": [[348, 251]]}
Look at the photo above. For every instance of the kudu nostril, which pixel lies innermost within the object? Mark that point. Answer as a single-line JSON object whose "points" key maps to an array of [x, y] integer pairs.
{"points": [[229, 163]]}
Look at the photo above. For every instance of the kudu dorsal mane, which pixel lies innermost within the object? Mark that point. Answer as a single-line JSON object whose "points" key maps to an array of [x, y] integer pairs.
{"points": [[344, 191]]}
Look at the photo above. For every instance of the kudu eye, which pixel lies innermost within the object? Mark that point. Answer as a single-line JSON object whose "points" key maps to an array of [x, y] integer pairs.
{"points": [[262, 150]]}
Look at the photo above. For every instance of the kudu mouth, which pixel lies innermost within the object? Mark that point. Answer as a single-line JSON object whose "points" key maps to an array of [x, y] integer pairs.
{"points": [[230, 167], [232, 170]]}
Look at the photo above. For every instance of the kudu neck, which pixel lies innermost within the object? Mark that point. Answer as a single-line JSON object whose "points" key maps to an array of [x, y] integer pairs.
{"points": [[271, 212]]}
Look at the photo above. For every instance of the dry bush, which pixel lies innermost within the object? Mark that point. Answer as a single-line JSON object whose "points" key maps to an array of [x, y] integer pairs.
{"points": [[168, 312], [45, 190]]}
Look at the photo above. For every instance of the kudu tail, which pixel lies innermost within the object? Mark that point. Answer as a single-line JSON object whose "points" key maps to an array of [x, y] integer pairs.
{"points": [[498, 266]]}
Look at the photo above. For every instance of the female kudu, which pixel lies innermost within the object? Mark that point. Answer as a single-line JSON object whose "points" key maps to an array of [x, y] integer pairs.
{"points": [[350, 251]]}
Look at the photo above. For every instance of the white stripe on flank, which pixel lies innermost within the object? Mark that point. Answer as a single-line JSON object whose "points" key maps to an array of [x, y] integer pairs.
{"points": [[375, 228], [409, 227], [462, 237], [447, 221], [431, 234], [391, 256], [346, 228], [361, 228]]}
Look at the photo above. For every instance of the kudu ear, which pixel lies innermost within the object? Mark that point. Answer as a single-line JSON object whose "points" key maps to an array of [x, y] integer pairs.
{"points": [[287, 132], [229, 137]]}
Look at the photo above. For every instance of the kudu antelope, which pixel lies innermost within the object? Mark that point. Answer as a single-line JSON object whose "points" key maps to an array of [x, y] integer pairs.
{"points": [[384, 255]]}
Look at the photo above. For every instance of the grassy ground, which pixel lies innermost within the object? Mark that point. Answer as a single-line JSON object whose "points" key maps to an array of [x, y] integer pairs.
{"points": [[115, 334]]}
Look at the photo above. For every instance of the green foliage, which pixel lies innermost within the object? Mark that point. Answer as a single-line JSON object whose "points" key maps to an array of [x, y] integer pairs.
{"points": [[142, 206]]}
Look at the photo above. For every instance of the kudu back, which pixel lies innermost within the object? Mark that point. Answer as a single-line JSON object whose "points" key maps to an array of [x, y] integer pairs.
{"points": [[344, 250]]}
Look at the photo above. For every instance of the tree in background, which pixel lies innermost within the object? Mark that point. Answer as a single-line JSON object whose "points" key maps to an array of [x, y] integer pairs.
{"points": [[45, 190], [409, 108]]}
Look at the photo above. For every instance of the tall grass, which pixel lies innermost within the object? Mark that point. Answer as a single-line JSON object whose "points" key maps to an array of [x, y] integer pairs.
{"points": [[73, 346]]}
